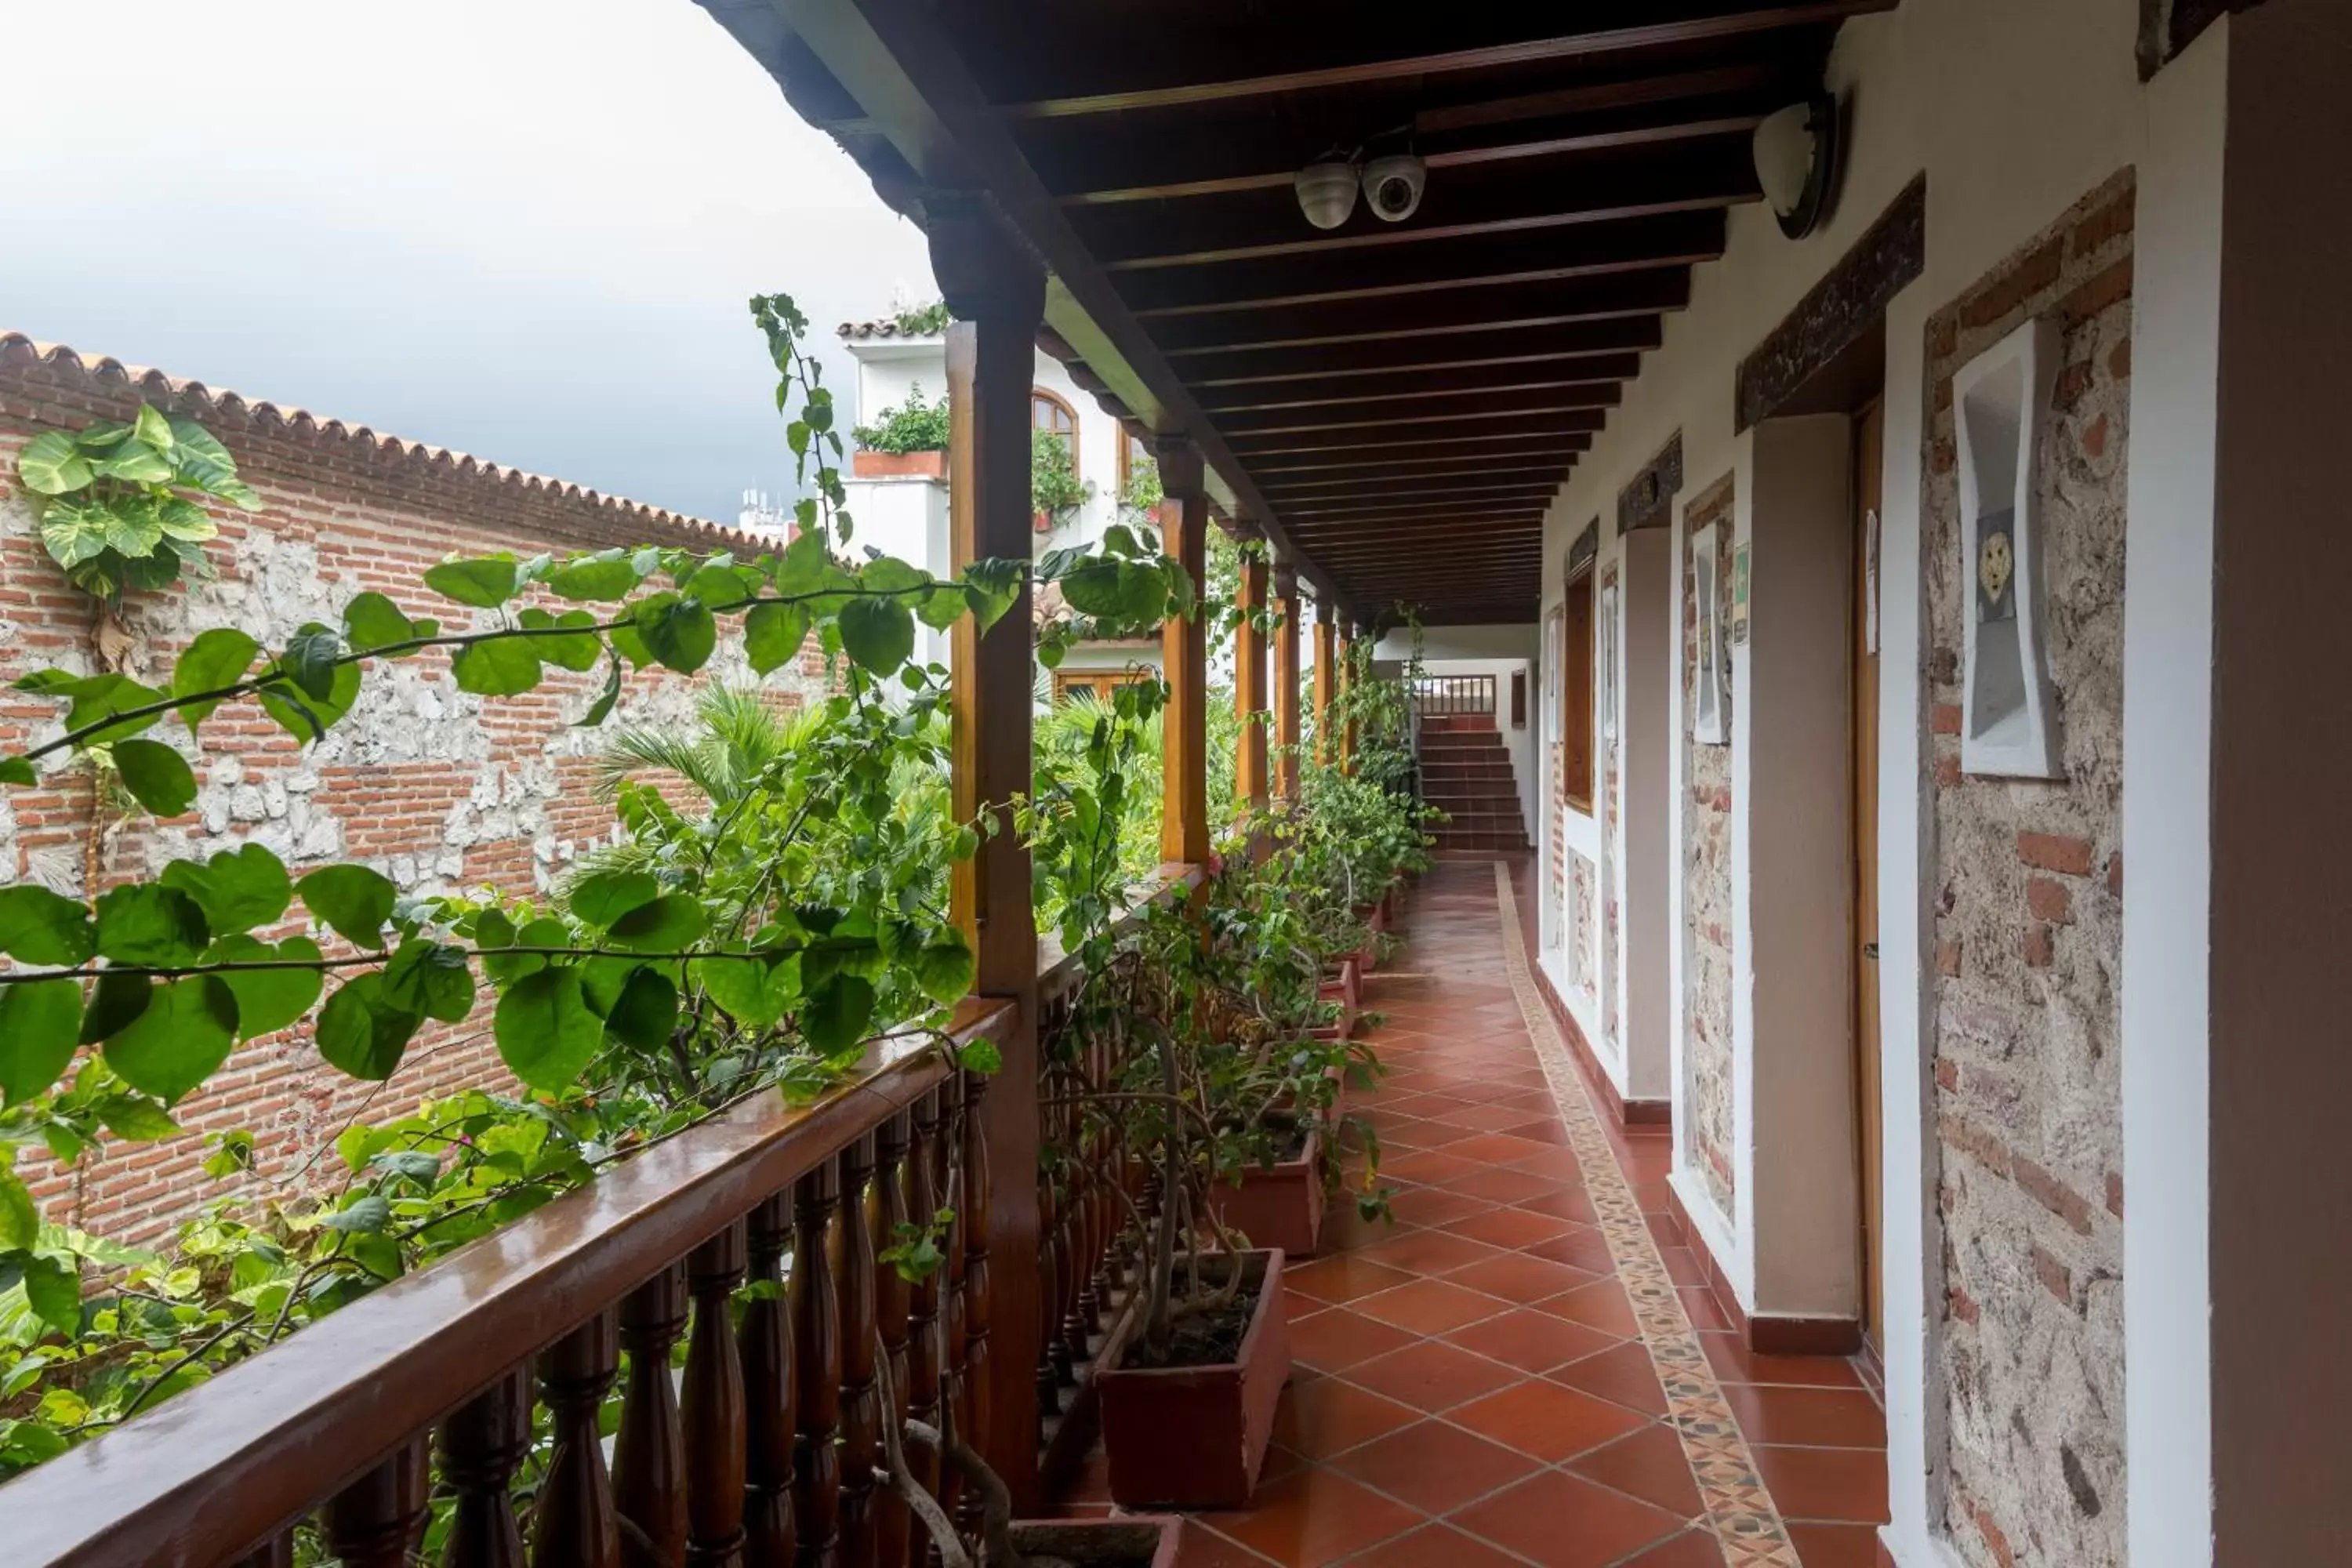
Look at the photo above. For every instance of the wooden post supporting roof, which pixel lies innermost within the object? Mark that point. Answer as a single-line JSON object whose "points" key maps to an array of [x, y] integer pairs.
{"points": [[998, 295], [1184, 657], [1249, 684], [1347, 686], [1327, 674], [1285, 685]]}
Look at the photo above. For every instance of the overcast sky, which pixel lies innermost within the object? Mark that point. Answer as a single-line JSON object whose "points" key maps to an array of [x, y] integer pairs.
{"points": [[522, 229]]}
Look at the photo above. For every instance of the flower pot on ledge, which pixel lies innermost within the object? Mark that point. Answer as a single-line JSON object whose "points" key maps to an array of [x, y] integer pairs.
{"points": [[1139, 1541], [898, 465], [1195, 1437]]}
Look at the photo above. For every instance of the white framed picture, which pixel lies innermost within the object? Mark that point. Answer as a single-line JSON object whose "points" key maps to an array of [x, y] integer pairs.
{"points": [[1708, 654], [1609, 683], [2010, 711]]}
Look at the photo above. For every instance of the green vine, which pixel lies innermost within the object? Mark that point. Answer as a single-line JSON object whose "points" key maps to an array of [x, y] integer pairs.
{"points": [[118, 503]]}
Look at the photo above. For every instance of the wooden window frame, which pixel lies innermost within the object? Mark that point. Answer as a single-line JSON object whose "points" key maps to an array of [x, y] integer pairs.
{"points": [[1577, 753], [1130, 444], [1047, 394], [1096, 683]]}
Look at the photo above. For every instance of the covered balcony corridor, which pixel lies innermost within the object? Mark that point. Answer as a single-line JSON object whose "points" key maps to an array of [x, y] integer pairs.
{"points": [[1526, 1364]]}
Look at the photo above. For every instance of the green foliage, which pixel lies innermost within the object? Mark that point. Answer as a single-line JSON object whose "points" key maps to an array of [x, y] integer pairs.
{"points": [[924, 320], [117, 502], [913, 426], [1055, 489]]}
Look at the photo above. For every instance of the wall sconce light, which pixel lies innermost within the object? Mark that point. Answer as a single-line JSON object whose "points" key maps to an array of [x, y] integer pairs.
{"points": [[1797, 155]]}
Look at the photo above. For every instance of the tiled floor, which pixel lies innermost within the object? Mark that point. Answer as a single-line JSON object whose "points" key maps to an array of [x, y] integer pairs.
{"points": [[1474, 1384]]}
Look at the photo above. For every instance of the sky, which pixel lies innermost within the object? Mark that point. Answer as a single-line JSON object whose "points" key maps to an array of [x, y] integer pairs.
{"points": [[525, 230]]}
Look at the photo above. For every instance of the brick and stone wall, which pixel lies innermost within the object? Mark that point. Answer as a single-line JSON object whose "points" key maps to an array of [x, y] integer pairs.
{"points": [[1706, 875], [437, 789], [2028, 901]]}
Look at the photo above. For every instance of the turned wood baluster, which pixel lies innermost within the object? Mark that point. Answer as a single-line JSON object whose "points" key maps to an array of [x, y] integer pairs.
{"points": [[1049, 1210], [925, 1331], [714, 1404], [1104, 1216], [861, 1395], [894, 1306], [816, 1340], [979, 1305], [955, 1351], [573, 1521], [278, 1551], [481, 1446], [1073, 1261], [372, 1522], [649, 1453], [766, 1341]]}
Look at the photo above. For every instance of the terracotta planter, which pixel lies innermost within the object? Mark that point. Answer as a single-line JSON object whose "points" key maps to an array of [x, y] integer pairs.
{"points": [[1195, 1437], [1281, 1207], [1346, 988], [1150, 1539], [898, 465]]}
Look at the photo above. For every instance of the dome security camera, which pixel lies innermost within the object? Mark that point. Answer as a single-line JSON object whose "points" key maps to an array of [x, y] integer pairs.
{"points": [[1393, 185], [1326, 192]]}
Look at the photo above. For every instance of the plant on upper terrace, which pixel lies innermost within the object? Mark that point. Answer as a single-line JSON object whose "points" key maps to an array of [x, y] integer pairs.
{"points": [[923, 321], [117, 503], [1055, 489], [913, 426], [724, 949]]}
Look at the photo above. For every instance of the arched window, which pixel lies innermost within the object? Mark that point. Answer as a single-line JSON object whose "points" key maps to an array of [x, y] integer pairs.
{"points": [[1049, 413], [1132, 455]]}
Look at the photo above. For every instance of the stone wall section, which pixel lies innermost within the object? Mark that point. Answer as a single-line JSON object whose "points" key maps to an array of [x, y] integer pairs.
{"points": [[440, 790], [1706, 876], [2028, 946]]}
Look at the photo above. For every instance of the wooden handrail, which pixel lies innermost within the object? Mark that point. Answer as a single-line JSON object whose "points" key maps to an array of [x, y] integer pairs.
{"points": [[221, 1470]]}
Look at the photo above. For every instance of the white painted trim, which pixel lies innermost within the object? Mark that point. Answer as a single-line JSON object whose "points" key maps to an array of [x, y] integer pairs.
{"points": [[2167, 813]]}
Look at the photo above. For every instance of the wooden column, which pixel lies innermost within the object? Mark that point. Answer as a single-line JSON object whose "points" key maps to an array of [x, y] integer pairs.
{"points": [[1345, 683], [1249, 684], [1326, 676], [1184, 657], [997, 293], [1285, 686]]}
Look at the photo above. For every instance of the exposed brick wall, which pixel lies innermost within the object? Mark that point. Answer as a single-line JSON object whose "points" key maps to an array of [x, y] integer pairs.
{"points": [[2029, 943], [1706, 874], [437, 789]]}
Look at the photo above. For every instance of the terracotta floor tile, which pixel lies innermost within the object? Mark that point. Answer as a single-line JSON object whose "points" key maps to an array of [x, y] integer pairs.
{"points": [[1433, 1375], [1830, 1545], [1624, 1374], [1431, 1546], [1813, 1417], [1562, 1202], [1201, 1547], [1488, 1117], [1430, 1252], [1503, 1185], [1509, 1227], [1583, 1246], [1692, 1549], [1430, 1167], [1342, 1279], [1532, 1341], [1430, 1306], [1501, 1149], [1844, 1485], [1425, 1132], [1544, 1130], [1601, 1304], [1563, 1521], [1436, 1206], [1516, 1277], [1549, 1159], [1314, 1517], [1435, 1466], [1683, 1265], [1337, 1339], [1735, 1363], [1331, 1415], [1649, 1464], [1546, 1420]]}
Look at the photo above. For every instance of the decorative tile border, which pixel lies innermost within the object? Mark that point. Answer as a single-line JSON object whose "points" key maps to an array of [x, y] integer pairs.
{"points": [[1740, 1508]]}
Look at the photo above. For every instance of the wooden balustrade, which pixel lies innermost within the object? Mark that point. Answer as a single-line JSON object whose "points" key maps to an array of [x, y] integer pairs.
{"points": [[760, 1453]]}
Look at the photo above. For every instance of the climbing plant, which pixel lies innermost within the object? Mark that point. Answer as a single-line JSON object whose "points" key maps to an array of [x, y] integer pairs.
{"points": [[117, 502]]}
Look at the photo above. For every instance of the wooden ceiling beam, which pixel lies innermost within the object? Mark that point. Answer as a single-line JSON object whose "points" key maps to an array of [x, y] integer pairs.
{"points": [[1091, 65], [1565, 422], [1411, 481], [1506, 308], [1297, 507], [1479, 260], [1538, 193], [1601, 370], [1468, 409], [1454, 456], [1205, 368]]}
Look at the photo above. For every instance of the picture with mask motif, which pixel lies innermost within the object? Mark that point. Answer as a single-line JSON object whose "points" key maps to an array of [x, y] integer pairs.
{"points": [[1996, 569]]}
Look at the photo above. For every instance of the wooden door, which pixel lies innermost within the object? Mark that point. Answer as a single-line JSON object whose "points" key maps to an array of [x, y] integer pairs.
{"points": [[1869, 432]]}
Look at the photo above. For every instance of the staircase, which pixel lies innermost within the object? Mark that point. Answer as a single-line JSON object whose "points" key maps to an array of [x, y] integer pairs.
{"points": [[1466, 773]]}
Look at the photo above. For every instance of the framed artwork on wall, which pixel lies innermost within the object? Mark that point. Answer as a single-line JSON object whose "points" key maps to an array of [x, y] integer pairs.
{"points": [[1707, 655]]}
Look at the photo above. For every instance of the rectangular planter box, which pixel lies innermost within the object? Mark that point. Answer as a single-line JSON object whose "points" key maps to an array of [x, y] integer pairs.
{"points": [[1282, 1207], [1195, 1437], [898, 465], [1148, 1538]]}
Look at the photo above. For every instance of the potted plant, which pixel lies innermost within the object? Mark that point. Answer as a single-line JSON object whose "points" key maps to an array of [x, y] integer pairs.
{"points": [[909, 439], [1055, 489]]}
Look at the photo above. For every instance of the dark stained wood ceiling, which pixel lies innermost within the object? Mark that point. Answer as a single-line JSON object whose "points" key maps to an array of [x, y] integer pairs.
{"points": [[1394, 403]]}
